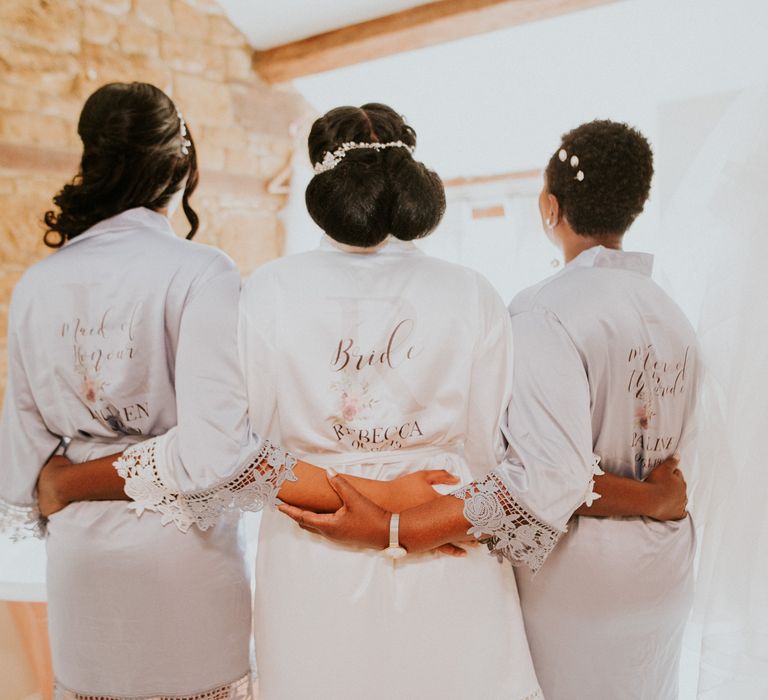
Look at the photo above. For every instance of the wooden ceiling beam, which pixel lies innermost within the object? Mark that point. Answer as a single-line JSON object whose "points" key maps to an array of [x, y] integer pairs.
{"points": [[416, 28]]}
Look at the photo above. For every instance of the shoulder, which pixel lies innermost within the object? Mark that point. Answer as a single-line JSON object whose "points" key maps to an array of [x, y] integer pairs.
{"points": [[280, 269], [474, 295], [458, 279], [207, 258], [539, 295], [190, 262]]}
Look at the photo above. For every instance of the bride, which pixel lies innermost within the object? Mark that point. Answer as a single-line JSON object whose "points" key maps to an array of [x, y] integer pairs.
{"points": [[382, 361]]}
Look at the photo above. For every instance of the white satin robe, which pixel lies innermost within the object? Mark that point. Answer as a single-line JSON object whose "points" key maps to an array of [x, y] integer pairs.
{"points": [[606, 363], [379, 364], [105, 336]]}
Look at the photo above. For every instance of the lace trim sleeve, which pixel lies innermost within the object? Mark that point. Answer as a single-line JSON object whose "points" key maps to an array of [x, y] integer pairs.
{"points": [[20, 522], [253, 488], [506, 526], [591, 495]]}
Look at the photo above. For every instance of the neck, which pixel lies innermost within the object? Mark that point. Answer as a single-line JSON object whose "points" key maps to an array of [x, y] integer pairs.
{"points": [[574, 244], [360, 250]]}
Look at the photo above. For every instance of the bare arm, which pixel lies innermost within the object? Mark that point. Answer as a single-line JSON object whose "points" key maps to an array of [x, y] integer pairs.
{"points": [[441, 520], [363, 523], [62, 483], [662, 496]]}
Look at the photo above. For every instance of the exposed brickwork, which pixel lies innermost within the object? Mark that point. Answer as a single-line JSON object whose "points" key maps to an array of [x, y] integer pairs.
{"points": [[53, 54]]}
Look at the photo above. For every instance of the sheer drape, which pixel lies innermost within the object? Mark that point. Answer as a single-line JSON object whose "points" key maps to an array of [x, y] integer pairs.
{"points": [[716, 228]]}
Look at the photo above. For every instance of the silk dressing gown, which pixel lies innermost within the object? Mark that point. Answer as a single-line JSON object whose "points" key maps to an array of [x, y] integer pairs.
{"points": [[610, 365], [379, 363], [106, 336]]}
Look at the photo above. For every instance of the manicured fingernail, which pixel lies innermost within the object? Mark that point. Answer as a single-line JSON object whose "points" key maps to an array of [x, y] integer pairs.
{"points": [[331, 472]]}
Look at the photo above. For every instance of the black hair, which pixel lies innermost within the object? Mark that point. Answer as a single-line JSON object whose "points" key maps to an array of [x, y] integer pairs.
{"points": [[371, 194], [617, 166], [134, 155]]}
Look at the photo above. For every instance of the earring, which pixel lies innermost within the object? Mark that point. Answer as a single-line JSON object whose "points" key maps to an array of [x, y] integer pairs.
{"points": [[554, 262], [548, 222]]}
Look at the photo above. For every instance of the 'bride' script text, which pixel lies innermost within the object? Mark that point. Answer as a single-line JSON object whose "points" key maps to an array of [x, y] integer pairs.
{"points": [[392, 355]]}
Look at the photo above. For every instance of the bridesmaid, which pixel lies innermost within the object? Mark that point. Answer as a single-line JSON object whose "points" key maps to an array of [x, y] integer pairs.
{"points": [[627, 580], [95, 338]]}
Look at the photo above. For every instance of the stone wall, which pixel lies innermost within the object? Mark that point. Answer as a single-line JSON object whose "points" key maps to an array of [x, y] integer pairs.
{"points": [[54, 53]]}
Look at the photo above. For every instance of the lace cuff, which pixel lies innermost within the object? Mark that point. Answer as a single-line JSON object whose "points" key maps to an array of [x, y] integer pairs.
{"points": [[515, 533], [253, 488], [20, 522], [241, 689], [591, 496]]}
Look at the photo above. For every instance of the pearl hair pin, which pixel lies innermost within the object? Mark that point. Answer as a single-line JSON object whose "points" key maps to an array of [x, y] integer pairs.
{"points": [[562, 154], [332, 158], [185, 142]]}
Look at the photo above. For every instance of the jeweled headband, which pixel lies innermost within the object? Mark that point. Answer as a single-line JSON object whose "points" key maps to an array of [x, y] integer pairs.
{"points": [[332, 158]]}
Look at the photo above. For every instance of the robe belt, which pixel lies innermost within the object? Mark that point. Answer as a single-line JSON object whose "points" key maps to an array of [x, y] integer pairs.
{"points": [[407, 455], [89, 445]]}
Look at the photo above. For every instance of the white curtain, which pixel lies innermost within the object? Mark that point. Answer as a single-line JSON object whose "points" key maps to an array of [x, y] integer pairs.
{"points": [[714, 256]]}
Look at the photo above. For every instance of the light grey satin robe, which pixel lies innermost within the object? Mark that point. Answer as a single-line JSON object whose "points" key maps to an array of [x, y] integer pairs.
{"points": [[606, 363]]}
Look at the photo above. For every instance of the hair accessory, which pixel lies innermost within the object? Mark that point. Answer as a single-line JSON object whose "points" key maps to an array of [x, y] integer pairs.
{"points": [[562, 154], [332, 158], [185, 142]]}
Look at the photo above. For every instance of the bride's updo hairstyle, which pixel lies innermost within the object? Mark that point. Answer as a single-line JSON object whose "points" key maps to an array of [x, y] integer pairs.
{"points": [[368, 193], [601, 177], [136, 153]]}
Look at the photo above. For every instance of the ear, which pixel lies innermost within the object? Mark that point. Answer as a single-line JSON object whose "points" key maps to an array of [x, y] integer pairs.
{"points": [[553, 210]]}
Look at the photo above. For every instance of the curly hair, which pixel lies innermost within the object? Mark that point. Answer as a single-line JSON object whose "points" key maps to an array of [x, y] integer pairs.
{"points": [[617, 165], [371, 194], [132, 157]]}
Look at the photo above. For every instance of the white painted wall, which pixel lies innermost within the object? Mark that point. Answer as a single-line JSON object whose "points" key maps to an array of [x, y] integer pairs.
{"points": [[499, 102]]}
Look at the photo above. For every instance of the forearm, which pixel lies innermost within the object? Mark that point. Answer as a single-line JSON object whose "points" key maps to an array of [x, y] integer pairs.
{"points": [[96, 480], [311, 490], [619, 496], [431, 525]]}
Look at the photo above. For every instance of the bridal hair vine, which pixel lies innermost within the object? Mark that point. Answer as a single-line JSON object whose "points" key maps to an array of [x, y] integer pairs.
{"points": [[563, 156], [332, 158], [185, 142]]}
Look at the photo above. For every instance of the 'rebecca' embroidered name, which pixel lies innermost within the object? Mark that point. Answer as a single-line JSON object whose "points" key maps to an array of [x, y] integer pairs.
{"points": [[378, 438]]}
